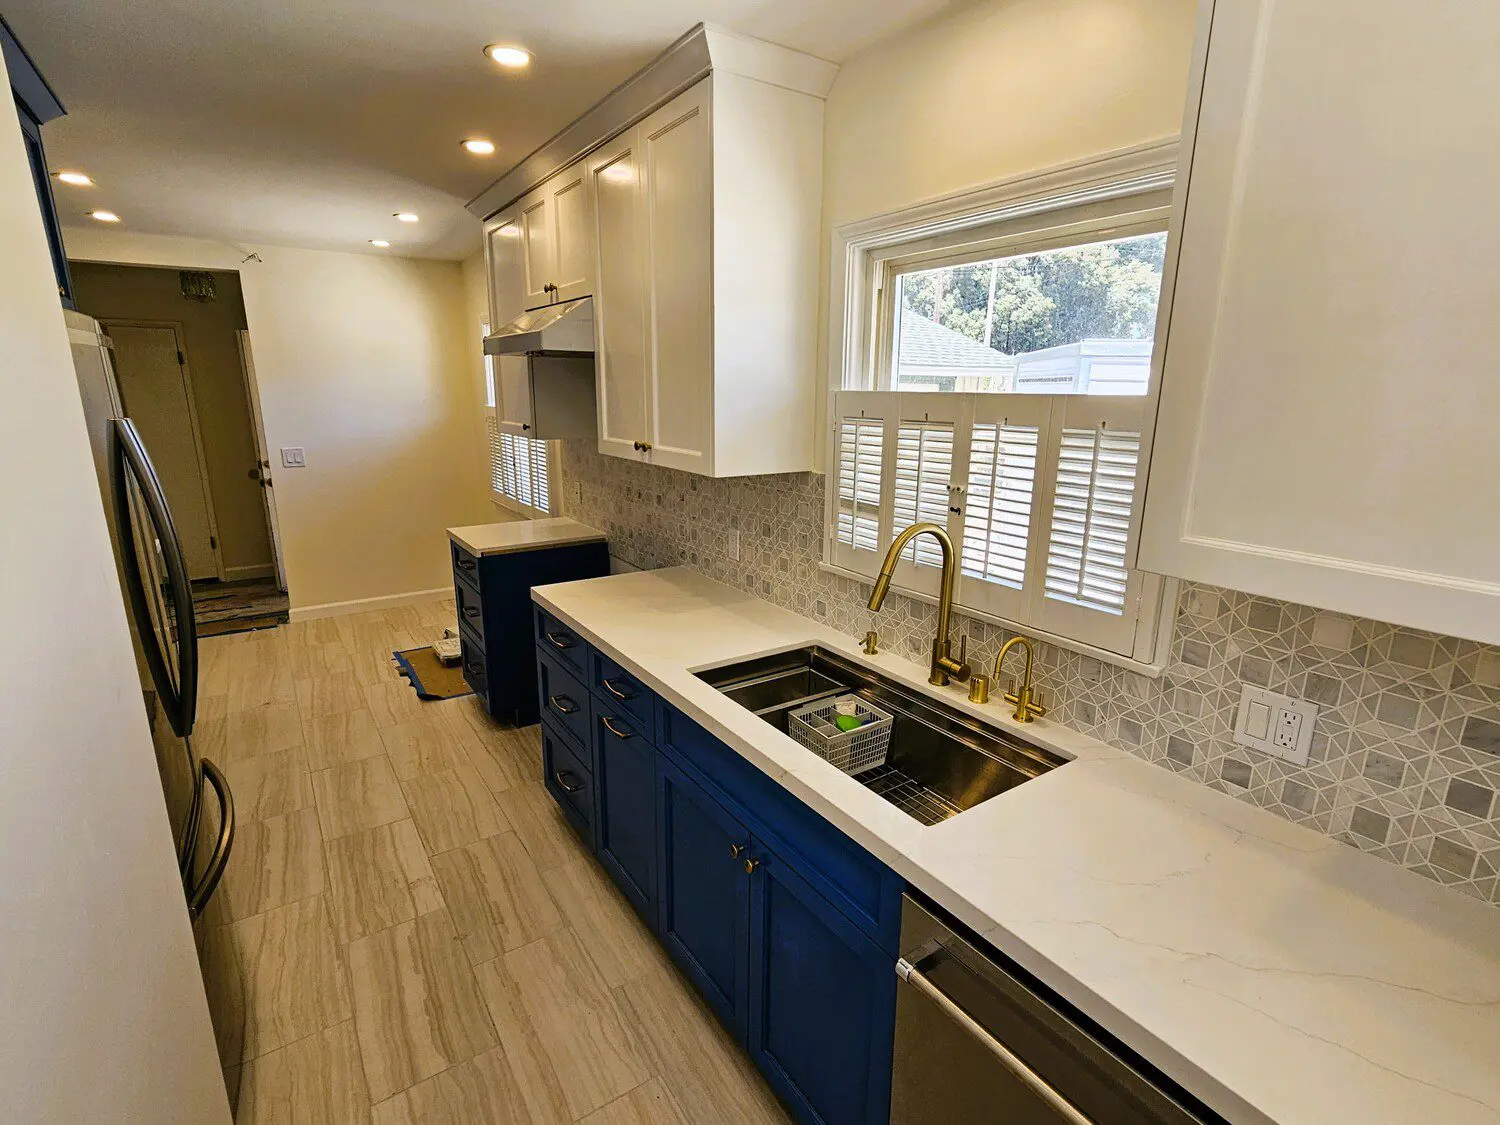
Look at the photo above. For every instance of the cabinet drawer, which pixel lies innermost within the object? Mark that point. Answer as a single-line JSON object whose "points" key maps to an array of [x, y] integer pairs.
{"points": [[568, 779], [623, 692], [466, 601], [465, 565], [561, 643], [868, 892], [476, 671], [564, 699]]}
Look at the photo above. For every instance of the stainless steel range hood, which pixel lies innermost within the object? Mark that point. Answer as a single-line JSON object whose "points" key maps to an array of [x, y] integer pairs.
{"points": [[566, 329]]}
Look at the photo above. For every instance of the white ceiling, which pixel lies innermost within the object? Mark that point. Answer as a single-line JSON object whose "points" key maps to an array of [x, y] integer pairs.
{"points": [[309, 122]]}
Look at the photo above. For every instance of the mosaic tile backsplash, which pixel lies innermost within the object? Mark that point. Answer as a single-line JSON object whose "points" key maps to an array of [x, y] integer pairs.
{"points": [[1406, 755]]}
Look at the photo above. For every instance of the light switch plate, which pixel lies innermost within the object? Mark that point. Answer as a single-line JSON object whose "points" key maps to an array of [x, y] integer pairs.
{"points": [[1275, 724], [293, 457]]}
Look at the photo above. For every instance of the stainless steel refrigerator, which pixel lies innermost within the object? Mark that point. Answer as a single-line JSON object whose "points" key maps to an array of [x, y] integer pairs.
{"points": [[157, 592]]}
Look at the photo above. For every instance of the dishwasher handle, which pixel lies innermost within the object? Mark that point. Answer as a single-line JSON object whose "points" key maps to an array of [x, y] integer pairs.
{"points": [[1003, 1054]]}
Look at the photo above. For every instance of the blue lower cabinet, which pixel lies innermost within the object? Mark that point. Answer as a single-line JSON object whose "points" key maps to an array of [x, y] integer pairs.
{"points": [[703, 893], [625, 781], [822, 1001], [567, 776]]}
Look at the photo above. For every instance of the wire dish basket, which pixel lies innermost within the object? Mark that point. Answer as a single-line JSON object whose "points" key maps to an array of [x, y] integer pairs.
{"points": [[855, 751]]}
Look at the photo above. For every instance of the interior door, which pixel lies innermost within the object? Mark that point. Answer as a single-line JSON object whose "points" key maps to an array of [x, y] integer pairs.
{"points": [[538, 246], [678, 189], [619, 296], [262, 453], [151, 370], [573, 230]]}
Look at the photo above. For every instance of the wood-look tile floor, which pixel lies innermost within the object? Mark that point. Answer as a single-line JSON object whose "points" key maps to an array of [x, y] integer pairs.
{"points": [[410, 928]]}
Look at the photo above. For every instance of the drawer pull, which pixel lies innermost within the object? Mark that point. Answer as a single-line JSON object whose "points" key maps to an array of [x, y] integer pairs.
{"points": [[466, 564], [614, 730], [471, 611], [475, 667], [560, 640], [622, 696], [562, 704], [568, 780]]}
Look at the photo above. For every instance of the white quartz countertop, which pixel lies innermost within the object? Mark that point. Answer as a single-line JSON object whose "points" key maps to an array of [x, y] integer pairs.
{"points": [[1277, 974], [523, 535]]}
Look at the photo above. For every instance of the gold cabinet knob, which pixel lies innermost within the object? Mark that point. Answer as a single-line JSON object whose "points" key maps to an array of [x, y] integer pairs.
{"points": [[751, 865], [735, 850]]}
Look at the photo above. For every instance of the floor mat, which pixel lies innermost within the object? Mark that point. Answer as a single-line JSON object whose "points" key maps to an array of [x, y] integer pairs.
{"points": [[431, 678]]}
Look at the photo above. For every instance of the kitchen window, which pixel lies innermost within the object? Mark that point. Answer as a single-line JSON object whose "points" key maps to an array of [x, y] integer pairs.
{"points": [[521, 468], [996, 380]]}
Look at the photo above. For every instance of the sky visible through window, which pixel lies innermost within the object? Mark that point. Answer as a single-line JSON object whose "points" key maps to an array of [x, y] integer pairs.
{"points": [[1076, 320]]}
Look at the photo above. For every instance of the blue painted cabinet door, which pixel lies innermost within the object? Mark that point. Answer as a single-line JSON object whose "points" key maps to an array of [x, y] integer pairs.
{"points": [[822, 1002], [625, 776], [703, 893]]}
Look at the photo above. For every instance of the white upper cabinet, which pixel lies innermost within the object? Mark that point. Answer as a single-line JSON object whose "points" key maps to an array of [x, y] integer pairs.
{"points": [[506, 266], [706, 220], [555, 223], [620, 322], [1328, 393]]}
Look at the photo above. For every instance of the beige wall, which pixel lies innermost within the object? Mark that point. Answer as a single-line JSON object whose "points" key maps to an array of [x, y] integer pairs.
{"points": [[362, 360], [109, 292], [998, 89], [104, 1014]]}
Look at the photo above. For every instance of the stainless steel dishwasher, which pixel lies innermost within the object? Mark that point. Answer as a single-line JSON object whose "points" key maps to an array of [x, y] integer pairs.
{"points": [[975, 1042]]}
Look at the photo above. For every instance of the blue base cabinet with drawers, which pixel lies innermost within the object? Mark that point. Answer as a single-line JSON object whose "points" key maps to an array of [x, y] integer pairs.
{"points": [[786, 927], [492, 594]]}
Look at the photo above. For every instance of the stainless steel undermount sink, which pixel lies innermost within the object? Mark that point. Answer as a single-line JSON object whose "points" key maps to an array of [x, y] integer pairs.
{"points": [[941, 761]]}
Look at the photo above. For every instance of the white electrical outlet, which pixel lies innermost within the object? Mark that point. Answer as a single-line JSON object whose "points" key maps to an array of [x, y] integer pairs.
{"points": [[733, 540], [1275, 724], [576, 493]]}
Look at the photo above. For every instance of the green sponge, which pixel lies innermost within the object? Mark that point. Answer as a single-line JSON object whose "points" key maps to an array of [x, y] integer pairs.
{"points": [[847, 723]]}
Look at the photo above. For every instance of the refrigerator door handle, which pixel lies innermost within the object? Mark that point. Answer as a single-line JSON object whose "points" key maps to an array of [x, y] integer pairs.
{"points": [[130, 461], [199, 895]]}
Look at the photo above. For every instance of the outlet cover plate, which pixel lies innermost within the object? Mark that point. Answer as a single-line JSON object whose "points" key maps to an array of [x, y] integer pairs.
{"points": [[1263, 713]]}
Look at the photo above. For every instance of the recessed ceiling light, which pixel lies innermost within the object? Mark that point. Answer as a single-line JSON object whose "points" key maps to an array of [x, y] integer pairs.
{"points": [[104, 216], [479, 146], [76, 179], [408, 216], [511, 58], [379, 243]]}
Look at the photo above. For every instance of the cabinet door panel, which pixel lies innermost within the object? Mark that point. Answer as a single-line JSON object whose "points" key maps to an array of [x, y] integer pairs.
{"points": [[513, 406], [619, 297], [573, 232], [503, 252], [538, 246], [1326, 418], [822, 1002], [678, 188], [703, 911], [625, 777]]}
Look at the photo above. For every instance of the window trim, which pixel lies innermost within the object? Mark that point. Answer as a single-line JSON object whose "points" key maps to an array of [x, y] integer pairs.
{"points": [[860, 258]]}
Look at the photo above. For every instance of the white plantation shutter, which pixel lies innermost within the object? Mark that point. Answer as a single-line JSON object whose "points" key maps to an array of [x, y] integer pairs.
{"points": [[1088, 590], [519, 470], [1004, 470], [1039, 492], [924, 472], [861, 455]]}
